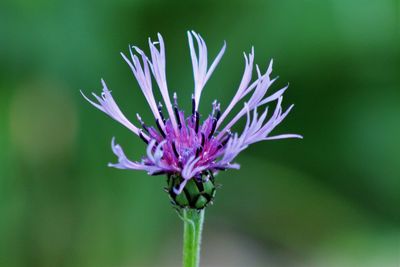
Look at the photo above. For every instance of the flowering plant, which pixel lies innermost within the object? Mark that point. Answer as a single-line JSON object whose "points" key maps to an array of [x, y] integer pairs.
{"points": [[190, 151]]}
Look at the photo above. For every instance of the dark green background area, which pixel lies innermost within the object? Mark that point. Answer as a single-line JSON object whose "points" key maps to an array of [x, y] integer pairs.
{"points": [[331, 199]]}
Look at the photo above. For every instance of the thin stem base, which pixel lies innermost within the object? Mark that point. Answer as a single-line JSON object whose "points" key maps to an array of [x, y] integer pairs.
{"points": [[192, 230]]}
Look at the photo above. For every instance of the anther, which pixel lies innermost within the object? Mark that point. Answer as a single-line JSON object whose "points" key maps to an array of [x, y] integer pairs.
{"points": [[218, 115], [197, 115], [225, 141], [176, 110], [175, 150], [160, 111], [175, 99], [214, 106], [142, 137], [214, 125], [178, 118], [180, 165], [141, 122], [193, 105], [159, 128], [198, 150]]}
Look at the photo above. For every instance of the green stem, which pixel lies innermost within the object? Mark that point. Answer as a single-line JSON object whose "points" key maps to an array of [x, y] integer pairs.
{"points": [[192, 228]]}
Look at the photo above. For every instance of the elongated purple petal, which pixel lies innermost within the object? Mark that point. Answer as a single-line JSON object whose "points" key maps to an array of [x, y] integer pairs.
{"points": [[158, 69], [199, 62], [263, 84], [243, 87], [143, 77], [107, 104], [123, 161]]}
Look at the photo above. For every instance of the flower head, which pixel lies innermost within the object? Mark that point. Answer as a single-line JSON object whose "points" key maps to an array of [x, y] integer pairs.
{"points": [[188, 146]]}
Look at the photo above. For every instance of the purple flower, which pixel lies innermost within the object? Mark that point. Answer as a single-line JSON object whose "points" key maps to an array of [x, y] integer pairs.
{"points": [[187, 146]]}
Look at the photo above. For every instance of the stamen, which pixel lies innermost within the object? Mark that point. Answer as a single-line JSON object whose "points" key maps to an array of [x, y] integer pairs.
{"points": [[178, 119], [197, 115], [198, 150], [193, 105], [159, 128], [175, 99], [175, 150], [160, 111], [180, 165], [142, 123], [225, 141], [214, 106], [142, 137], [218, 115], [214, 125], [176, 110]]}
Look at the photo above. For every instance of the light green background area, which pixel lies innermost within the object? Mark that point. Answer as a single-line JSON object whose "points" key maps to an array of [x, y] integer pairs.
{"points": [[331, 199]]}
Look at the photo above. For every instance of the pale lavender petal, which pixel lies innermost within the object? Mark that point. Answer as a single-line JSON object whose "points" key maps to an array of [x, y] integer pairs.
{"points": [[215, 62], [273, 97], [100, 107], [199, 62], [149, 150], [187, 171], [284, 136], [260, 131], [123, 161], [107, 104], [155, 155], [233, 148], [158, 69], [241, 92], [143, 78], [158, 153], [264, 83]]}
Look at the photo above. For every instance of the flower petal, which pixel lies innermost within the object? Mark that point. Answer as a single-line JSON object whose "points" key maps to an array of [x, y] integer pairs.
{"points": [[143, 77], [158, 68], [107, 104], [123, 161], [199, 62]]}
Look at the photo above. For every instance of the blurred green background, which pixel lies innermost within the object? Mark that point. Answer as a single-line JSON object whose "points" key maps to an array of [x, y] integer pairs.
{"points": [[332, 199]]}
